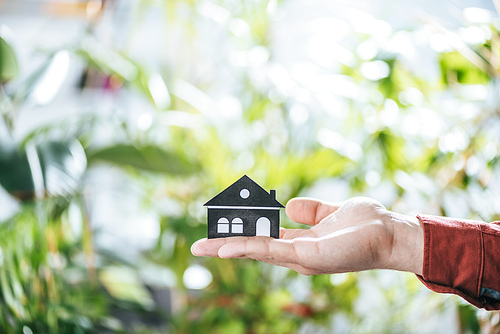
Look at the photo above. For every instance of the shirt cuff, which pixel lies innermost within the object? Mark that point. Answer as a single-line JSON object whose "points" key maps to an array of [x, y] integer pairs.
{"points": [[453, 257]]}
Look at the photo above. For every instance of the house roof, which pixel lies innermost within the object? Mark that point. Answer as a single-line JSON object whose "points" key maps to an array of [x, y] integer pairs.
{"points": [[245, 192]]}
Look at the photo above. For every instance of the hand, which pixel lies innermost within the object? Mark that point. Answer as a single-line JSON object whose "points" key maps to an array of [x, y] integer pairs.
{"points": [[354, 235]]}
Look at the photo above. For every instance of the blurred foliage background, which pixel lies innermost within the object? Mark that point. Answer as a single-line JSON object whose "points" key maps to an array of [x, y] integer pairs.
{"points": [[119, 119]]}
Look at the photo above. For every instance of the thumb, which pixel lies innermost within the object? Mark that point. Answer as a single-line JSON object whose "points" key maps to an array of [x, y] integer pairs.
{"points": [[309, 211]]}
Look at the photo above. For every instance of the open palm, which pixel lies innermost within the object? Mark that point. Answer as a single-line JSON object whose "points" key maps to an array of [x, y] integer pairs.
{"points": [[353, 235]]}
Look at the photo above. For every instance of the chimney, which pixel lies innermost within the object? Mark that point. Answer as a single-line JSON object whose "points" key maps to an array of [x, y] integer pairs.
{"points": [[273, 194]]}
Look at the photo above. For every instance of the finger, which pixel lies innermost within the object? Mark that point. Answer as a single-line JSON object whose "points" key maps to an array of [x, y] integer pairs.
{"points": [[210, 247], [243, 249], [260, 248], [296, 233], [301, 251], [308, 210]]}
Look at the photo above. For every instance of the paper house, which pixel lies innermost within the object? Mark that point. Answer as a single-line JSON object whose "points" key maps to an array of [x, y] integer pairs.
{"points": [[244, 209]]}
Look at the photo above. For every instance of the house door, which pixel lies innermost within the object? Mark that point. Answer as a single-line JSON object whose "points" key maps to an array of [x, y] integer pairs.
{"points": [[263, 227]]}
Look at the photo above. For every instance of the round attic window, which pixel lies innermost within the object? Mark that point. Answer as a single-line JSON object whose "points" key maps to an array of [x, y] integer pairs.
{"points": [[244, 193]]}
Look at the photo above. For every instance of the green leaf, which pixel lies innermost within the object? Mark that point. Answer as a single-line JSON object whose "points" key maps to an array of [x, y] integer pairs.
{"points": [[8, 62], [15, 172], [123, 283], [44, 83], [107, 60], [113, 63], [468, 319], [149, 158], [62, 165], [391, 148], [455, 67]]}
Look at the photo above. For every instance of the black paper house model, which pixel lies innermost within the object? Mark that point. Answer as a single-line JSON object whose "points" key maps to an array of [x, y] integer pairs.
{"points": [[244, 209]]}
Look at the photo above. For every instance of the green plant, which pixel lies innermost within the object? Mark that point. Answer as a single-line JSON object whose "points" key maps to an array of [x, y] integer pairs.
{"points": [[215, 111]]}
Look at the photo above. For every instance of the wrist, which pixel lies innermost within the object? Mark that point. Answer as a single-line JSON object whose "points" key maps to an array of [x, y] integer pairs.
{"points": [[407, 251]]}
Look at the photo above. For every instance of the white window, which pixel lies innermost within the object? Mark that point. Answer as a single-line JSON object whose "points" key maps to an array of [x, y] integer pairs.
{"points": [[244, 193], [223, 225], [237, 225]]}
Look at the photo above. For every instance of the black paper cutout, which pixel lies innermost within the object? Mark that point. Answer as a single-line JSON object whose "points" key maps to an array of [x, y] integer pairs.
{"points": [[244, 199]]}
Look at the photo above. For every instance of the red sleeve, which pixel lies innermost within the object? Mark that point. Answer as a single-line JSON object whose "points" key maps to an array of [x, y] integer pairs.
{"points": [[463, 257]]}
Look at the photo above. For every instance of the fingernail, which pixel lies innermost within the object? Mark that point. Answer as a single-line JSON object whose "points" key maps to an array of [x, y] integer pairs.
{"points": [[193, 249]]}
